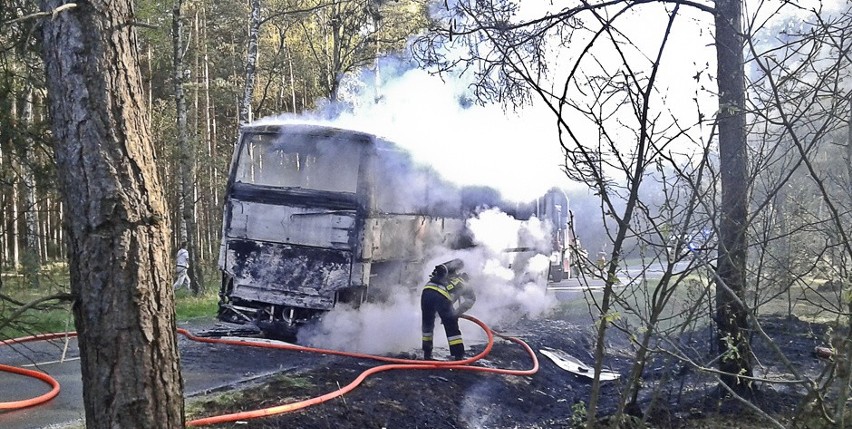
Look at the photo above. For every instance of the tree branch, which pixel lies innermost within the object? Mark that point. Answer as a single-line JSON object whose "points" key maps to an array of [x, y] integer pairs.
{"points": [[34, 304], [52, 14]]}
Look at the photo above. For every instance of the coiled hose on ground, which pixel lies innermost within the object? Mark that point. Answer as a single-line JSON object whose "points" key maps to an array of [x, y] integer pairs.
{"points": [[14, 405], [391, 364]]}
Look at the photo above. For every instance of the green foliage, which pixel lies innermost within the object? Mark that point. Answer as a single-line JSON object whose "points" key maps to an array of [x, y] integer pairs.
{"points": [[612, 316], [189, 307], [578, 415], [731, 352], [56, 316], [47, 319], [53, 277]]}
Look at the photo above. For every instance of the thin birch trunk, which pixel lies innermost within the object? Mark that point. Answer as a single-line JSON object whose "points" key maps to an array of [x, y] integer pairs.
{"points": [[186, 156]]}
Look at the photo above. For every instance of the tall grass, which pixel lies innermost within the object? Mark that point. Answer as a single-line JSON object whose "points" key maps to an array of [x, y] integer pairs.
{"points": [[189, 307], [50, 316]]}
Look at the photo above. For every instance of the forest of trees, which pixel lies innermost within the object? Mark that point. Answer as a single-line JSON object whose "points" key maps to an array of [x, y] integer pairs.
{"points": [[300, 50], [117, 127], [142, 152]]}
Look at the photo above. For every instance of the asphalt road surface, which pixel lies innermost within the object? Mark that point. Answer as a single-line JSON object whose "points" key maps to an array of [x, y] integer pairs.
{"points": [[206, 368]]}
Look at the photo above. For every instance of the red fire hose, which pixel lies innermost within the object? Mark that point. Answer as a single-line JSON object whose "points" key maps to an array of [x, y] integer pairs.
{"points": [[14, 405], [392, 364]]}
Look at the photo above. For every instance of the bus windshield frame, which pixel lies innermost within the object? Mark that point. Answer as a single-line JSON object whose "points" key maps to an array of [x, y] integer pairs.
{"points": [[320, 160]]}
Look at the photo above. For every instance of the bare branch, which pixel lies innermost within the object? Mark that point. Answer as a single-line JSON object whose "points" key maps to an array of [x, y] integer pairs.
{"points": [[52, 14], [33, 304]]}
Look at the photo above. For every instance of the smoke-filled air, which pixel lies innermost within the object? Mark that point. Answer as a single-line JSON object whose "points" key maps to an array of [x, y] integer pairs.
{"points": [[432, 117], [507, 283], [466, 144]]}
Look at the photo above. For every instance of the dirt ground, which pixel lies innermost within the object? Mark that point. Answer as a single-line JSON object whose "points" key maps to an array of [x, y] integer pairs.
{"points": [[674, 396]]}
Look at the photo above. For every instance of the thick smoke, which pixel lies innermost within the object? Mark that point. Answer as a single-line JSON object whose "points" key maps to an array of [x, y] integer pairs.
{"points": [[466, 144], [432, 117], [508, 284]]}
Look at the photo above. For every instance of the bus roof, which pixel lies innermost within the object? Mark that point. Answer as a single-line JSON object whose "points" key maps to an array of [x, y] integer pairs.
{"points": [[267, 126]]}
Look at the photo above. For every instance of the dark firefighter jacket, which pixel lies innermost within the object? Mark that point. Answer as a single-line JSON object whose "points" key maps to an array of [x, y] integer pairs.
{"points": [[456, 291]]}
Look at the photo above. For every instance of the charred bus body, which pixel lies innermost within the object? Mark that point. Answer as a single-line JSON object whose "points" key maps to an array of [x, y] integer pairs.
{"points": [[316, 215]]}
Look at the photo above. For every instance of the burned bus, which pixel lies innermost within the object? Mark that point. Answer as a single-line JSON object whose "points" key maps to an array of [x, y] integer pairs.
{"points": [[317, 215]]}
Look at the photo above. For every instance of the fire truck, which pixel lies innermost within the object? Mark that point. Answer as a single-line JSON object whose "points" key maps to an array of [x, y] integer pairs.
{"points": [[316, 216]]}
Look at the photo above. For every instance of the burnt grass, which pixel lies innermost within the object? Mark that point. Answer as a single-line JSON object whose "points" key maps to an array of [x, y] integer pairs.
{"points": [[674, 395]]}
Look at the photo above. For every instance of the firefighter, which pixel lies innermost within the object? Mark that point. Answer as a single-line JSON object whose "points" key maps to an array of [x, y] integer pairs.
{"points": [[446, 295]]}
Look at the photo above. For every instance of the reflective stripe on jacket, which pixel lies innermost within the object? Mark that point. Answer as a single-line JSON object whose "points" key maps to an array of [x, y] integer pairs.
{"points": [[438, 288], [450, 291]]}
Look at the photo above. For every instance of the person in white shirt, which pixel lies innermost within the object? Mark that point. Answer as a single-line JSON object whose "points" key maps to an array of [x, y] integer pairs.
{"points": [[182, 266]]}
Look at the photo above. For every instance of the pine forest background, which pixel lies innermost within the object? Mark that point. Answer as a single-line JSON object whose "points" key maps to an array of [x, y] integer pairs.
{"points": [[287, 55]]}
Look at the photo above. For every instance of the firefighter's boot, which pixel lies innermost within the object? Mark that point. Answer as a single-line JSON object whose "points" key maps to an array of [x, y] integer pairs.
{"points": [[457, 349]]}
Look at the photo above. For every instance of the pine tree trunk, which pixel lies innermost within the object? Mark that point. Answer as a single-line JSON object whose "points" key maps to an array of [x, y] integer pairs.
{"points": [[14, 227], [116, 217], [731, 316], [211, 202], [9, 197]]}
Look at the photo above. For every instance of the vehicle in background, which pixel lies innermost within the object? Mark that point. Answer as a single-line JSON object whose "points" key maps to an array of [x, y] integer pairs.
{"points": [[316, 215], [551, 208]]}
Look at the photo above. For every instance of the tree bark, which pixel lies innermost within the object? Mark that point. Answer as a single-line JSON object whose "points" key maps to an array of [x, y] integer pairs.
{"points": [[731, 317], [116, 217], [186, 155], [251, 64], [210, 201], [31, 261], [9, 195]]}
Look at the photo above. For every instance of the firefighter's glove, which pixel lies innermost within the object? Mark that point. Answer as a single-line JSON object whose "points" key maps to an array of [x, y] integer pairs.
{"points": [[458, 311]]}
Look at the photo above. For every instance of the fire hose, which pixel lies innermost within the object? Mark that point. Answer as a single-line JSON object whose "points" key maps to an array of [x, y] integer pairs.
{"points": [[14, 405], [391, 364]]}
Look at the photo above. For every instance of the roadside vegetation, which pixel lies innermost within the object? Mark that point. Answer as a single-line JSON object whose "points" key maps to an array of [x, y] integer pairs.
{"points": [[55, 315]]}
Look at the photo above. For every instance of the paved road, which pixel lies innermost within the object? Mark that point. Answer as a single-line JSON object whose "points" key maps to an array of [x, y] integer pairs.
{"points": [[206, 367], [574, 287]]}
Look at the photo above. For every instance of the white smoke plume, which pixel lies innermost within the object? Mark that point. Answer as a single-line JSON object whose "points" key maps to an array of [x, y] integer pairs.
{"points": [[434, 119], [516, 153], [508, 285]]}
